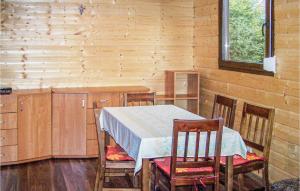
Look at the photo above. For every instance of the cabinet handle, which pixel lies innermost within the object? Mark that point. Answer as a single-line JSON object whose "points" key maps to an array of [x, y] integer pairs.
{"points": [[21, 106], [83, 103]]}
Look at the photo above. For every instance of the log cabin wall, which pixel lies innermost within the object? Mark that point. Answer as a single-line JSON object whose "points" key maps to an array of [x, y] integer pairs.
{"points": [[280, 92], [46, 43]]}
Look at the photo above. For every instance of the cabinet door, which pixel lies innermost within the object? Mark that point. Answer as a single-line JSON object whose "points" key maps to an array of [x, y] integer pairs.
{"points": [[34, 126], [69, 124]]}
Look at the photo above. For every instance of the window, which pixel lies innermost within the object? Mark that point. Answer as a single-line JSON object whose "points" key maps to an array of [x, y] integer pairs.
{"points": [[246, 35]]}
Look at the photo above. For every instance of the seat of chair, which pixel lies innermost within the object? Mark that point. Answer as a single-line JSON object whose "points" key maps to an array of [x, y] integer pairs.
{"points": [[238, 160], [116, 153], [165, 164]]}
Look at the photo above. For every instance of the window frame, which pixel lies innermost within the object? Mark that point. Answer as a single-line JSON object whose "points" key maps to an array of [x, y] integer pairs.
{"points": [[254, 68]]}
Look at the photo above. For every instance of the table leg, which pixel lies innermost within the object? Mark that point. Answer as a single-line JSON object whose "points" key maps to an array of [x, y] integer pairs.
{"points": [[146, 175], [229, 173]]}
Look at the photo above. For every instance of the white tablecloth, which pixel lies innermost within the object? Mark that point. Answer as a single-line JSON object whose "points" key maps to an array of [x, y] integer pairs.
{"points": [[146, 132]]}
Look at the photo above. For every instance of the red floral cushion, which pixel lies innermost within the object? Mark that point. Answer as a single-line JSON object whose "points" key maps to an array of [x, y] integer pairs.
{"points": [[238, 160], [116, 153], [165, 164]]}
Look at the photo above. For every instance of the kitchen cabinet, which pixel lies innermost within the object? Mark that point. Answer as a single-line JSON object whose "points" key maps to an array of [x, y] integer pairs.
{"points": [[69, 124], [34, 126]]}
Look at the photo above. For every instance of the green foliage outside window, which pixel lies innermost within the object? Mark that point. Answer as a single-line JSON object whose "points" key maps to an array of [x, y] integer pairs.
{"points": [[247, 43]]}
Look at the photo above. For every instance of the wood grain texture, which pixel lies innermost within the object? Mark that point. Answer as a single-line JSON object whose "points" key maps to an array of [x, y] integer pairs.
{"points": [[68, 175], [8, 137], [92, 147], [8, 153], [91, 132], [280, 92], [48, 43], [34, 126], [8, 103], [101, 89], [103, 100], [69, 124], [8, 121]]}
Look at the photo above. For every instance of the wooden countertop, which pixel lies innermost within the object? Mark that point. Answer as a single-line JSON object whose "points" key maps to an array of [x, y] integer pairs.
{"points": [[83, 90], [32, 91], [101, 89]]}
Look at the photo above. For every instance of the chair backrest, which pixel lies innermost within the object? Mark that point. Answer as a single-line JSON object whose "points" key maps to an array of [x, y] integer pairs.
{"points": [[256, 127], [196, 127], [224, 107], [139, 99]]}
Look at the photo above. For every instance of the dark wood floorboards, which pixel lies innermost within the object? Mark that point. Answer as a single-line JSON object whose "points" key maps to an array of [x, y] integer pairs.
{"points": [[58, 175]]}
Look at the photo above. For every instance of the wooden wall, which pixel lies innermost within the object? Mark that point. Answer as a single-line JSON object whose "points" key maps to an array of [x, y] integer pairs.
{"points": [[280, 92], [47, 43]]}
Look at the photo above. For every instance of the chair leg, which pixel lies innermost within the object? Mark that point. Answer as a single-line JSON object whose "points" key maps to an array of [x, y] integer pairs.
{"points": [[241, 182], [216, 186], [97, 176], [136, 180], [173, 186], [266, 177], [156, 179]]}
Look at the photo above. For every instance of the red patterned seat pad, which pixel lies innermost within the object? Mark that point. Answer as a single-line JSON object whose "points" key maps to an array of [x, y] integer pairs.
{"points": [[116, 153], [165, 164], [238, 160]]}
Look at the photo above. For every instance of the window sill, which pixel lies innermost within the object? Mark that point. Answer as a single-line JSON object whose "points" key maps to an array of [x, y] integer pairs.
{"points": [[244, 67]]}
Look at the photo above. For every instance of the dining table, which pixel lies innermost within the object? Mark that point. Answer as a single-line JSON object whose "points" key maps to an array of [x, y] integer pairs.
{"points": [[145, 133]]}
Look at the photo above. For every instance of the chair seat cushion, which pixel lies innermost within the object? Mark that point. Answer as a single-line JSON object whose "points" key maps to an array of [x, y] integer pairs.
{"points": [[165, 164], [116, 153], [238, 160]]}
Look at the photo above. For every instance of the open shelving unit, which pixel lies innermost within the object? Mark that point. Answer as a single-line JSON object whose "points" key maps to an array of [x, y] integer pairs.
{"points": [[181, 89]]}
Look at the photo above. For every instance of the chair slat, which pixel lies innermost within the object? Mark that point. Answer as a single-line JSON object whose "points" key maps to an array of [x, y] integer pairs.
{"points": [[255, 129], [197, 146], [186, 145], [220, 110], [267, 131], [227, 119], [207, 144], [262, 131], [224, 112], [249, 126]]}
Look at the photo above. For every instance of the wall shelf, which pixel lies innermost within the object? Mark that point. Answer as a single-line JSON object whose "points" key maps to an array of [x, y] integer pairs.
{"points": [[185, 81]]}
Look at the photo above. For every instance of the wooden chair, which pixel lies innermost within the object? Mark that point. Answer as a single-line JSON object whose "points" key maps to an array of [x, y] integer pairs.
{"points": [[139, 99], [112, 160], [183, 171], [256, 129], [224, 107]]}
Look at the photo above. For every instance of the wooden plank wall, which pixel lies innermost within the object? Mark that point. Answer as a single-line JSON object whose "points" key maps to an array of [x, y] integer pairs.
{"points": [[280, 92], [47, 43]]}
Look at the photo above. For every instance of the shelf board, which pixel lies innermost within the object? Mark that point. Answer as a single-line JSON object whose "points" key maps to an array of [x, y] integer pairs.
{"points": [[185, 96], [178, 97], [164, 98]]}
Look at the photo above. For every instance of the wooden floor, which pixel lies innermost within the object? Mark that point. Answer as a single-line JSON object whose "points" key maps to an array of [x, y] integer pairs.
{"points": [[59, 175]]}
